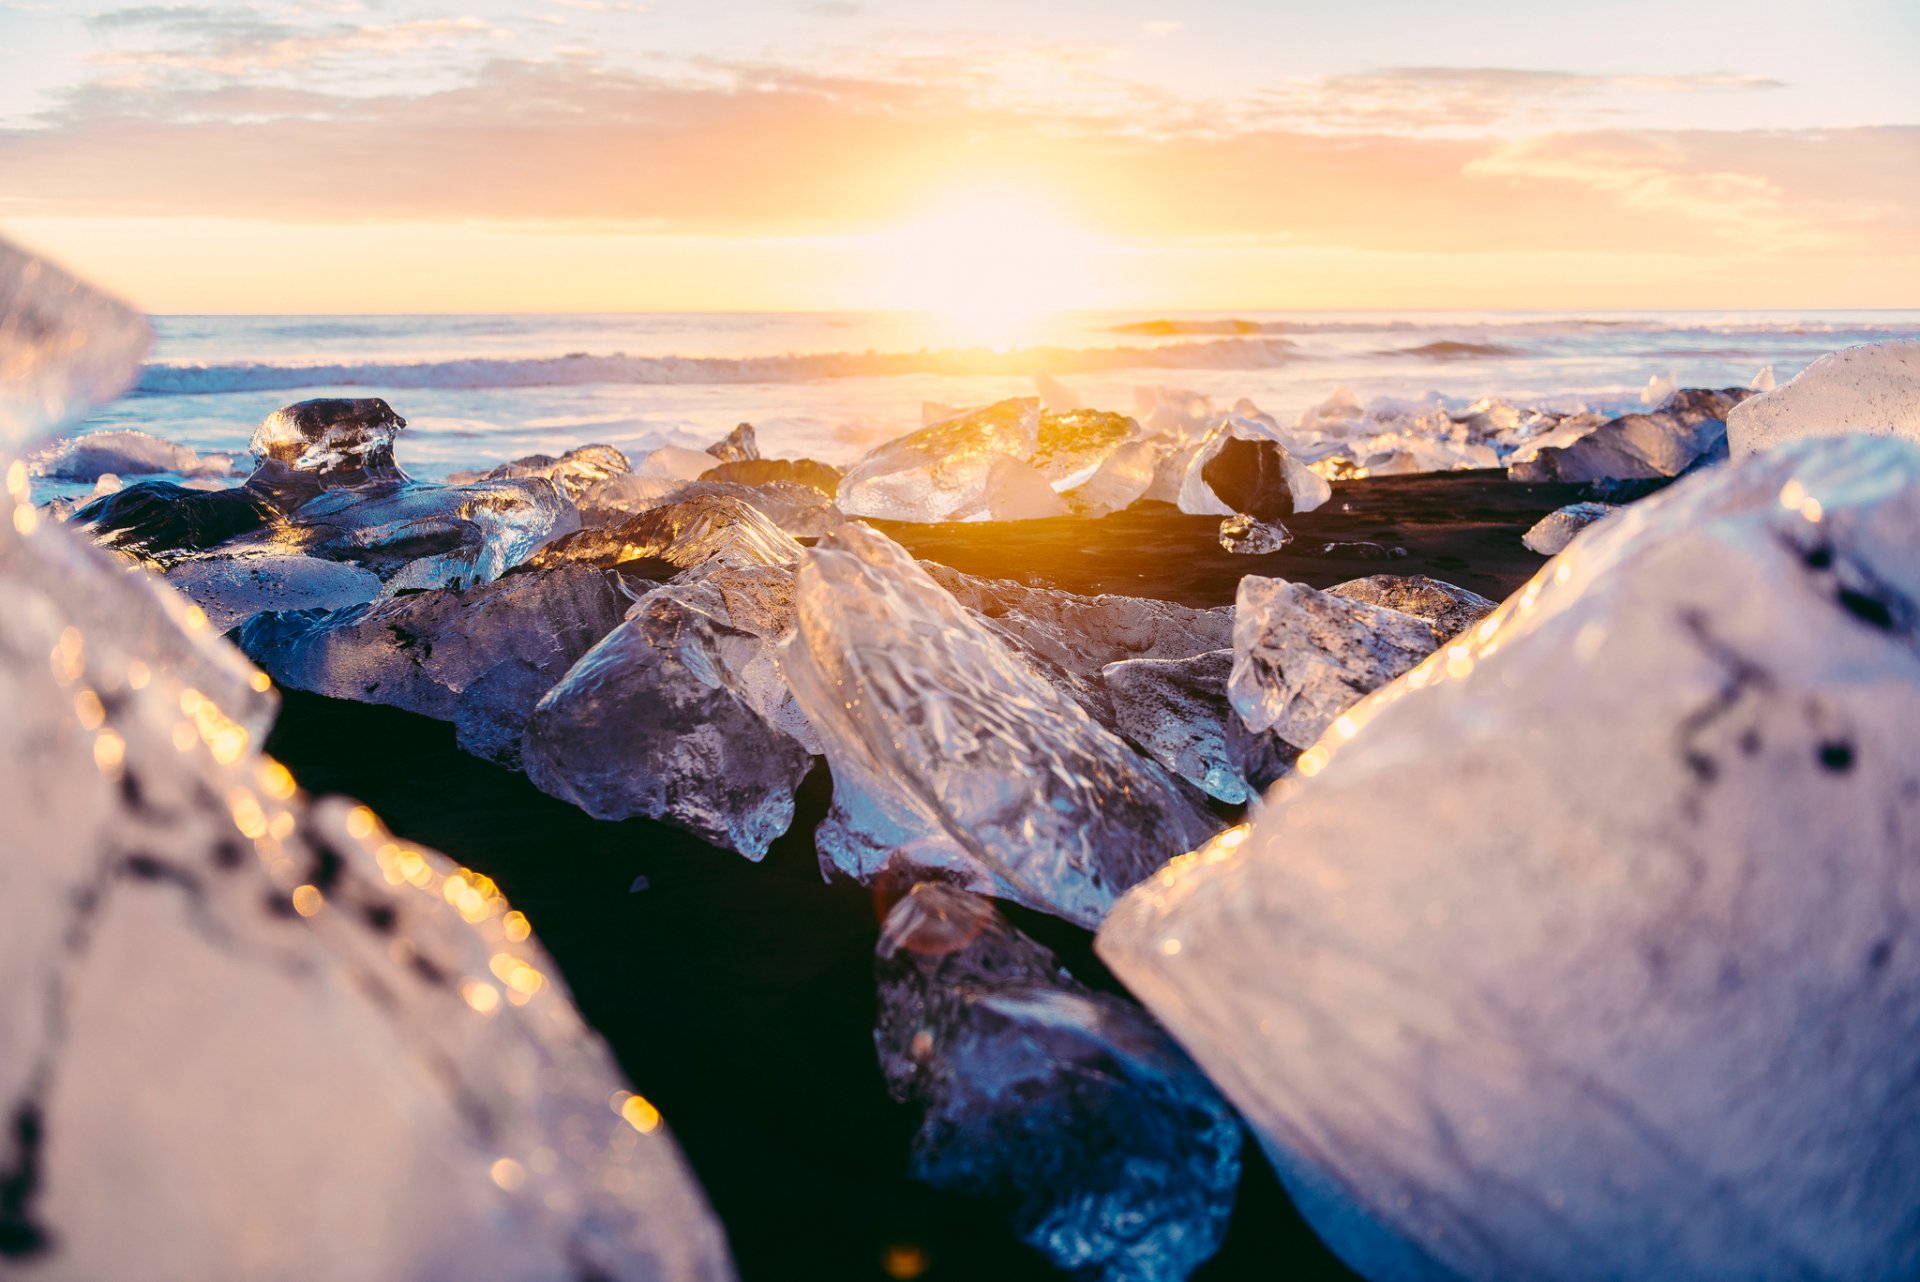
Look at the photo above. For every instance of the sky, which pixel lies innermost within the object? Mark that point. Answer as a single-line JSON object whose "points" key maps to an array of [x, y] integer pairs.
{"points": [[610, 155]]}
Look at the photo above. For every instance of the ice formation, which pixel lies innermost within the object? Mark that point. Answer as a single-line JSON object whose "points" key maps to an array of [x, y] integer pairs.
{"points": [[658, 720], [1619, 982], [738, 446], [1243, 467], [1123, 478], [1302, 657], [249, 1036], [1451, 610], [1552, 532], [1251, 537], [233, 589], [436, 652], [1874, 389], [575, 472], [940, 471], [823, 477], [1688, 427], [803, 510], [950, 750], [1115, 1157], [1176, 710], [685, 532]]}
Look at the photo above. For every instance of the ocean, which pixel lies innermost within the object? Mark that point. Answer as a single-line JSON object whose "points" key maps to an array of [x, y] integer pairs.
{"points": [[478, 390]]}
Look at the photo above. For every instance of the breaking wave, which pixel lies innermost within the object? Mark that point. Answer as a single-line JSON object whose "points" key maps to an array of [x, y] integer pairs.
{"points": [[580, 368]]}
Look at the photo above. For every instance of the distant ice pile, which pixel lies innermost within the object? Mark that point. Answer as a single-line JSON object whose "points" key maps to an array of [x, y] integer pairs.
{"points": [[1587, 948], [248, 1035]]}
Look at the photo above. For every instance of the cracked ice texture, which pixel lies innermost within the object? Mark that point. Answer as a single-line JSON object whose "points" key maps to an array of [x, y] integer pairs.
{"points": [[245, 1034], [1592, 952], [1302, 657], [947, 747], [941, 471], [1073, 1109], [1874, 388]]}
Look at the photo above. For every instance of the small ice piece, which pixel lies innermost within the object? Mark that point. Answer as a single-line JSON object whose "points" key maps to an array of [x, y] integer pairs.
{"points": [[1121, 480], [1690, 425], [737, 446], [647, 723], [1243, 467], [1301, 657], [1176, 710], [945, 745], [1659, 387], [342, 440], [1872, 389], [424, 651], [683, 533], [1016, 491], [1451, 610], [575, 472], [1550, 535], [1072, 446], [232, 589], [1588, 950], [1360, 551], [1111, 1152], [766, 472], [123, 453], [941, 470], [1251, 536], [675, 462], [1763, 381]]}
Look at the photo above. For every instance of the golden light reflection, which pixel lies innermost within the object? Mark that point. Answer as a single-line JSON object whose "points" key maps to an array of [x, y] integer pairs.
{"points": [[516, 927], [109, 750], [88, 709], [636, 1112], [508, 1174], [307, 900], [904, 1261], [480, 995]]}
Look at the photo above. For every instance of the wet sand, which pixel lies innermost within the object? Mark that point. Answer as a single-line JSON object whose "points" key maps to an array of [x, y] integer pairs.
{"points": [[739, 997]]}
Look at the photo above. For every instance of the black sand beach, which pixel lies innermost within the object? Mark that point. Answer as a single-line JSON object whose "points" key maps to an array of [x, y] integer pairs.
{"points": [[739, 997]]}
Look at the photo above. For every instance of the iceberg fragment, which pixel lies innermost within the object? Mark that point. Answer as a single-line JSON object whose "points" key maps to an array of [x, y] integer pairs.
{"points": [[1690, 425], [1550, 535], [738, 446], [948, 748], [1243, 467], [941, 470], [1176, 710], [97, 455], [1114, 1156], [1873, 388], [1250, 536], [575, 472], [1451, 610], [684, 533], [1666, 832]]}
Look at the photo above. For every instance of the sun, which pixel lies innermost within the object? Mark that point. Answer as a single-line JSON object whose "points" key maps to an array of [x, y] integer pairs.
{"points": [[989, 264]]}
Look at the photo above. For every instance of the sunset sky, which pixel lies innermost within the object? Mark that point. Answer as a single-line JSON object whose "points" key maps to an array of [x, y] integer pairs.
{"points": [[827, 154]]}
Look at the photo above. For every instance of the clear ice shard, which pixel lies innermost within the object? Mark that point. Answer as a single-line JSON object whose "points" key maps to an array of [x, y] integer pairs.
{"points": [[1302, 657], [233, 589], [1450, 609], [1113, 1154], [803, 510], [1874, 388], [1591, 951], [1176, 711], [940, 472], [947, 748], [249, 1035], [431, 652], [1550, 535], [738, 446], [1243, 467], [659, 720], [575, 472], [123, 453], [683, 533], [1250, 536]]}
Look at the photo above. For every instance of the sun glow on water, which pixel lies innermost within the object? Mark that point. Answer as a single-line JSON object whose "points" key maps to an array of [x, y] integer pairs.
{"points": [[990, 267]]}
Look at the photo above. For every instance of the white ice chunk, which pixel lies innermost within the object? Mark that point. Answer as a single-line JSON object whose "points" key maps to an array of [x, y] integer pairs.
{"points": [[940, 472], [1874, 389], [1550, 535]]}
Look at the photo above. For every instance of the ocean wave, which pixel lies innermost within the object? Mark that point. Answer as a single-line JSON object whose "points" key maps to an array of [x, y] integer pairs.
{"points": [[1186, 327], [580, 368]]}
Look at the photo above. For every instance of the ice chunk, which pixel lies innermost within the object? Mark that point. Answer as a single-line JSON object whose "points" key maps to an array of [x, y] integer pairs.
{"points": [[1121, 480], [673, 462], [161, 523], [1180, 416], [232, 589], [1451, 610], [1763, 381], [343, 440], [1874, 388], [1250, 536], [1055, 397], [1176, 710], [1243, 467], [1638, 839], [431, 536], [646, 723], [1550, 535], [1689, 425], [1301, 657], [1015, 491], [1659, 387], [224, 1003], [1073, 445], [575, 472], [738, 446], [940, 470], [1114, 1155], [425, 650], [127, 453], [64, 348], [802, 510], [943, 742], [767, 472], [685, 533]]}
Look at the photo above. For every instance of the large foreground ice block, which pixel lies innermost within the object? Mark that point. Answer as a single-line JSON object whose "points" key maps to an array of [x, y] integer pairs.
{"points": [[245, 1036], [940, 471], [1874, 388], [1592, 952], [1072, 1109], [946, 746]]}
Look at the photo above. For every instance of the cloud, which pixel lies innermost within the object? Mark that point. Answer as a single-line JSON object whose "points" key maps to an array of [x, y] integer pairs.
{"points": [[230, 43]]}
